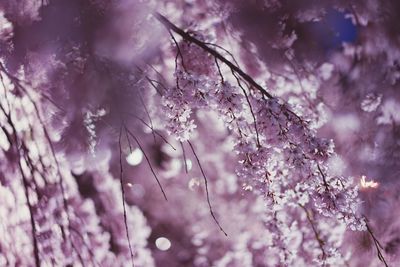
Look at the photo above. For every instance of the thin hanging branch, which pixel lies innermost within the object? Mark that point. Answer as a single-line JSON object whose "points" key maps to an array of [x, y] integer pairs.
{"points": [[92, 256], [206, 186], [151, 81], [148, 115], [225, 50], [251, 109], [121, 174], [179, 52], [18, 85], [29, 162], [219, 70], [378, 245], [32, 220], [148, 162], [26, 189], [316, 234], [151, 128], [184, 157]]}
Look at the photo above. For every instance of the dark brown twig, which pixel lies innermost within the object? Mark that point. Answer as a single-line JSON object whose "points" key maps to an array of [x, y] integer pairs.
{"points": [[251, 109], [206, 186], [148, 115], [184, 157], [26, 190], [148, 162], [316, 234], [121, 175], [219, 70], [378, 245], [154, 131]]}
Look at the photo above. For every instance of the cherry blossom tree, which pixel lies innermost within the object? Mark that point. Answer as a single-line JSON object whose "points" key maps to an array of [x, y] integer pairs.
{"points": [[199, 133]]}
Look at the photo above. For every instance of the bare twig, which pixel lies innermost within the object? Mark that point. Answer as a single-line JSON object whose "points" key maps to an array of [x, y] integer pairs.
{"points": [[26, 190], [316, 234], [378, 245], [121, 173], [17, 83], [206, 186], [323, 178], [148, 115], [219, 70], [28, 160], [251, 109], [155, 131], [184, 157], [32, 220], [152, 81], [148, 162], [225, 50], [179, 51]]}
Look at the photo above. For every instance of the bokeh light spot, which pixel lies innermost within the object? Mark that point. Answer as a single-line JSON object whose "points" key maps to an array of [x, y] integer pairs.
{"points": [[135, 157], [163, 243]]}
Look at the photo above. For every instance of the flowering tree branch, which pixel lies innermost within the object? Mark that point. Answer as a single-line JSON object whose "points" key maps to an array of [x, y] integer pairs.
{"points": [[255, 130], [169, 25]]}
